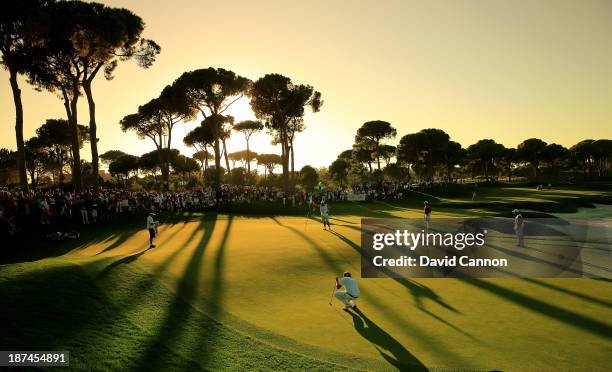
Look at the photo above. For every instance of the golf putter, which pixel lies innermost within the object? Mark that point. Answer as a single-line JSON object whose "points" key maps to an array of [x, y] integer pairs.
{"points": [[332, 295]]}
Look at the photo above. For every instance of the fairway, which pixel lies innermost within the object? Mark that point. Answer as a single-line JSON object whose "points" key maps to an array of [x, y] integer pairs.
{"points": [[220, 290]]}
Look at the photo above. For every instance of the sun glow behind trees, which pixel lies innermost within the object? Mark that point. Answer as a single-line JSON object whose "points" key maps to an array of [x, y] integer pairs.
{"points": [[240, 110]]}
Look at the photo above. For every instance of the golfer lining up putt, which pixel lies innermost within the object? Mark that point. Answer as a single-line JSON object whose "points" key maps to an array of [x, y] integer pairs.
{"points": [[152, 227], [349, 296]]}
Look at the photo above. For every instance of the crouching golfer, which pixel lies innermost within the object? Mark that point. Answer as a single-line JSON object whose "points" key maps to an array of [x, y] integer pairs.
{"points": [[325, 214], [152, 227], [350, 295]]}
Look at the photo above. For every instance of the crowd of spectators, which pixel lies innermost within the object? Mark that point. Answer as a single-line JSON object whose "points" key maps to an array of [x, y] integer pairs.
{"points": [[20, 209]]}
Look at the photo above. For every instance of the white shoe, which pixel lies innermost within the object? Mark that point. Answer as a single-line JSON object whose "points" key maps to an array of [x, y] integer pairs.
{"points": [[346, 307]]}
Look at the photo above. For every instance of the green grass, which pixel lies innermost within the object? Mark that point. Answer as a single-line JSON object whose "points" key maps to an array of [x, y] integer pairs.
{"points": [[231, 292]]}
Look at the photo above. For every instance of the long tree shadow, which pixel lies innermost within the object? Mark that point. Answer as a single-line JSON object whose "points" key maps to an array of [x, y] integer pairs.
{"points": [[139, 291], [527, 257], [388, 347], [322, 253], [122, 238], [345, 221], [131, 258], [125, 235], [123, 261], [552, 253], [213, 296], [581, 296], [180, 309], [565, 316]]}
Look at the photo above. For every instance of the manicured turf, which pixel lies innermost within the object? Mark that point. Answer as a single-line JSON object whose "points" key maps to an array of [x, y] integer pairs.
{"points": [[237, 292]]}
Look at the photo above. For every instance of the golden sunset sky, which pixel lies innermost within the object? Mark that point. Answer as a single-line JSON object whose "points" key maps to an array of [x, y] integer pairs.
{"points": [[506, 70]]}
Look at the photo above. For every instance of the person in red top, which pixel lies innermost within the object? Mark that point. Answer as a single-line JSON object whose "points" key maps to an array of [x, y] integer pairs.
{"points": [[427, 211]]}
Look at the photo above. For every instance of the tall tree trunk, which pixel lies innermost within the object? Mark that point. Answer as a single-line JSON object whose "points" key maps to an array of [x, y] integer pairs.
{"points": [[71, 111], [60, 162], [377, 155], [93, 139], [21, 160], [285, 160], [292, 162], [248, 157], [163, 167], [217, 181], [429, 167], [225, 156]]}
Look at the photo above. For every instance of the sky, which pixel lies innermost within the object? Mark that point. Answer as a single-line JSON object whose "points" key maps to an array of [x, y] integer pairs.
{"points": [[506, 70]]}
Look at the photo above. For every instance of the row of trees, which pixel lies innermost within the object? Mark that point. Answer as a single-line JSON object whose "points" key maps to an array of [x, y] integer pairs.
{"points": [[61, 47], [208, 93], [427, 154], [430, 153], [49, 155], [122, 165]]}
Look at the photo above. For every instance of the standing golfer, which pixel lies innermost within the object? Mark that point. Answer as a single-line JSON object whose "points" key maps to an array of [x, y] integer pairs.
{"points": [[349, 296], [427, 213], [324, 214], [152, 227], [519, 227]]}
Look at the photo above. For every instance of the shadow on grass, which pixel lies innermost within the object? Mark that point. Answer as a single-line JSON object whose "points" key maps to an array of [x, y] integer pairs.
{"points": [[581, 296], [29, 303], [388, 347], [180, 309], [524, 256], [322, 253], [32, 245], [422, 335], [568, 317], [123, 261], [417, 290], [121, 238], [133, 257]]}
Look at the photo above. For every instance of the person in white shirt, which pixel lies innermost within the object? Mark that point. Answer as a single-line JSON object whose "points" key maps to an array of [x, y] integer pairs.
{"points": [[519, 228], [324, 214], [349, 296], [152, 227]]}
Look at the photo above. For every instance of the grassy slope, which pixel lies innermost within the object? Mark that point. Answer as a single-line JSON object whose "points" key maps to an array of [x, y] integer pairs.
{"points": [[267, 281], [127, 322]]}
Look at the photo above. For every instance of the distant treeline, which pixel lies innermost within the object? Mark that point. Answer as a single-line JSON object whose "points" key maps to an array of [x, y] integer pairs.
{"points": [[430, 155]]}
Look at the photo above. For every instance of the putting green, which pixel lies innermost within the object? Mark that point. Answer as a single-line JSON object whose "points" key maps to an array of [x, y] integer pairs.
{"points": [[269, 281], [274, 276]]}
